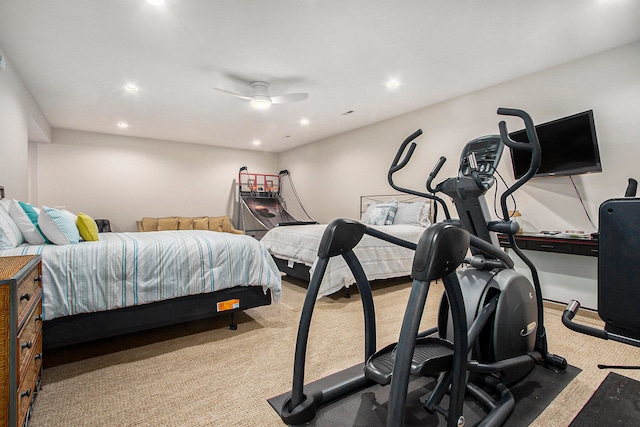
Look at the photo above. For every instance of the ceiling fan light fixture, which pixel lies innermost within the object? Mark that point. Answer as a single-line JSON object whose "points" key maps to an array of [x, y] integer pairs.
{"points": [[260, 98], [260, 102]]}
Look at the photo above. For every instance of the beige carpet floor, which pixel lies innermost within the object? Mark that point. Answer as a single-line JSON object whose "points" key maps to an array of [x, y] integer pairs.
{"points": [[203, 374]]}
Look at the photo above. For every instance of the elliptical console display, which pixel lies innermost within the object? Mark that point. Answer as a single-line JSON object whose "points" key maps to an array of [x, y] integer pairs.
{"points": [[486, 153]]}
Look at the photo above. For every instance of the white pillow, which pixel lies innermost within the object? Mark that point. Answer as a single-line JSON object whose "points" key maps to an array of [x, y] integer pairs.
{"points": [[4, 242], [26, 218], [58, 227], [366, 213], [425, 214], [5, 204], [416, 213], [11, 235], [380, 213]]}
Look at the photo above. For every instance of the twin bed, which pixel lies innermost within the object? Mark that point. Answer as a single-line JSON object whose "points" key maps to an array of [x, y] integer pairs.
{"points": [[295, 247], [128, 282]]}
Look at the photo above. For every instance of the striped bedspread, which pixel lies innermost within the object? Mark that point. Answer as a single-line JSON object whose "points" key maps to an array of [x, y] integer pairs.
{"points": [[125, 269]]}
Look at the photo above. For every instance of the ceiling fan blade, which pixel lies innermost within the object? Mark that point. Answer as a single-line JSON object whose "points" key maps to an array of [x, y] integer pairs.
{"points": [[231, 93], [291, 97]]}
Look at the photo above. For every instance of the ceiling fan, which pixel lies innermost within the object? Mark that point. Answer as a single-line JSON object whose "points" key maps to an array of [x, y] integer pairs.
{"points": [[260, 98]]}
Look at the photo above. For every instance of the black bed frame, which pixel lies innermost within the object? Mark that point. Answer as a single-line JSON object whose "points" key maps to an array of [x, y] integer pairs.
{"points": [[299, 271], [63, 331]]}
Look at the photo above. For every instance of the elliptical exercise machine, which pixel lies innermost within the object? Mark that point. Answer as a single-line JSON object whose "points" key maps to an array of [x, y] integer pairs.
{"points": [[490, 329], [618, 272]]}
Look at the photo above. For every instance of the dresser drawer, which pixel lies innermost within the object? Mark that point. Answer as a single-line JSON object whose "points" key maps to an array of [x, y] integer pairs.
{"points": [[588, 250], [28, 387], [29, 342], [28, 289]]}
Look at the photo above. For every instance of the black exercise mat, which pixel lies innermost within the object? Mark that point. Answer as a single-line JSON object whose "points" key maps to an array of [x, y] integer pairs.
{"points": [[369, 407], [615, 403]]}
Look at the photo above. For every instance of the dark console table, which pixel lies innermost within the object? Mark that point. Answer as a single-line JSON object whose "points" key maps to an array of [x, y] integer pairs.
{"points": [[563, 275], [552, 243]]}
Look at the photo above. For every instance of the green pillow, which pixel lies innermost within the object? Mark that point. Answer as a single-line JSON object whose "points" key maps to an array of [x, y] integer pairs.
{"points": [[87, 227]]}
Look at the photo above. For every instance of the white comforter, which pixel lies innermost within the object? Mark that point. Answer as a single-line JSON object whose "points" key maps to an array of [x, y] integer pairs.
{"points": [[125, 269], [379, 259]]}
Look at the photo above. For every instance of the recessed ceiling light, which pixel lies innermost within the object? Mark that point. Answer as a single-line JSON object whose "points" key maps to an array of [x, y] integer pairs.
{"points": [[393, 83], [256, 142], [304, 122], [123, 125], [131, 88], [156, 2]]}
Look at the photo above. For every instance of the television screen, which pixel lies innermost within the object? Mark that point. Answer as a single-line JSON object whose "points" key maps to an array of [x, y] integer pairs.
{"points": [[569, 147]]}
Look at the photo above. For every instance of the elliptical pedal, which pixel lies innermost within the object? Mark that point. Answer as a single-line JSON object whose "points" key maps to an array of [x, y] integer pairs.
{"points": [[431, 356]]}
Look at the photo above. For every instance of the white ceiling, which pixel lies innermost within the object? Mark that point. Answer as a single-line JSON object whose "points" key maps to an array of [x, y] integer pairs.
{"points": [[76, 56]]}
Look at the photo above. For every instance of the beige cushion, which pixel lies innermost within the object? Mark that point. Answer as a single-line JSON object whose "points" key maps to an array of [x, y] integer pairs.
{"points": [[227, 226], [201, 223], [185, 223], [149, 224], [212, 223], [215, 223], [170, 223]]}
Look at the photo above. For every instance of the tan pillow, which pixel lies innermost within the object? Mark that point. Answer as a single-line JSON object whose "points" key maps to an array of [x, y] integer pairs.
{"points": [[226, 225], [201, 223], [215, 223], [185, 223], [170, 223], [149, 224]]}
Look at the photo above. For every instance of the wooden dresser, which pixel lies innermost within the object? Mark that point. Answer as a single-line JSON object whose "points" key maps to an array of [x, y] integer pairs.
{"points": [[21, 340]]}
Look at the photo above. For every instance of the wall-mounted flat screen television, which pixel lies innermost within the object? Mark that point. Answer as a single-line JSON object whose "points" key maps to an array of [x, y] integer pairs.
{"points": [[569, 147]]}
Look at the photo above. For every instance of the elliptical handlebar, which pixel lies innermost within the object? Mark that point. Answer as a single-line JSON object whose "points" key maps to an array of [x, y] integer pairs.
{"points": [[529, 127], [397, 164], [533, 146], [394, 165], [434, 172], [536, 155]]}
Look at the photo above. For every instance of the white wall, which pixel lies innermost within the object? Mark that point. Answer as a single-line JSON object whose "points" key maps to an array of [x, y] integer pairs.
{"points": [[331, 174], [124, 179], [17, 110]]}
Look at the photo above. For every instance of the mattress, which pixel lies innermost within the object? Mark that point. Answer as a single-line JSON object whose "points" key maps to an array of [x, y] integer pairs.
{"points": [[379, 259], [127, 269]]}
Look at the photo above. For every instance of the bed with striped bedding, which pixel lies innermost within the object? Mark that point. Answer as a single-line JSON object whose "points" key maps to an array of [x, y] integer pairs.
{"points": [[137, 269], [295, 248], [298, 245]]}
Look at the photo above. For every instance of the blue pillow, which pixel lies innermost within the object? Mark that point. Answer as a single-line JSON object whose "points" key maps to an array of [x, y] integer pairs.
{"points": [[381, 213], [58, 227]]}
